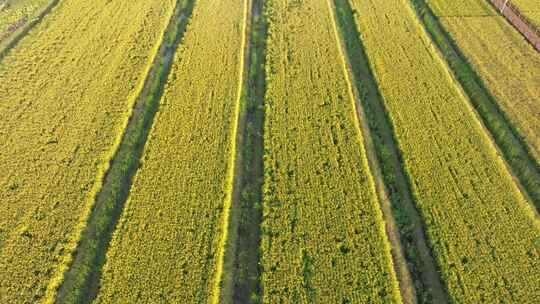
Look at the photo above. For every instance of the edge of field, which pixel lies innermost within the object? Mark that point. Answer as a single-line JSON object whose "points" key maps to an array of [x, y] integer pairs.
{"points": [[13, 39], [509, 146]]}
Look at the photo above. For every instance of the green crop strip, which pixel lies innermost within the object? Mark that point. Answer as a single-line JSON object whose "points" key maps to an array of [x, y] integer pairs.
{"points": [[247, 270], [514, 148], [81, 283], [427, 282]]}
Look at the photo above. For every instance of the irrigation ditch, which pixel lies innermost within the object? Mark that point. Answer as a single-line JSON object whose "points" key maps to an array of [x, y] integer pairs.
{"points": [[240, 283], [398, 203], [515, 153], [81, 282], [247, 288]]}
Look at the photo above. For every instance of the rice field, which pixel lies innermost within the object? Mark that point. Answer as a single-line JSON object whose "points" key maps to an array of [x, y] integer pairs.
{"points": [[467, 198], [59, 128], [322, 220], [268, 151], [183, 178]]}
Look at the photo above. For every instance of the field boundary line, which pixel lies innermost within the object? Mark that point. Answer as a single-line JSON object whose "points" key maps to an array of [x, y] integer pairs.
{"points": [[401, 274], [14, 38], [521, 23], [223, 281], [485, 109], [114, 178]]}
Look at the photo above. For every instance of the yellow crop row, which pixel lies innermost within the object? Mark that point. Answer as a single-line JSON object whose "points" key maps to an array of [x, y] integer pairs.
{"points": [[323, 233], [66, 92], [167, 246], [461, 8], [508, 65], [483, 232]]}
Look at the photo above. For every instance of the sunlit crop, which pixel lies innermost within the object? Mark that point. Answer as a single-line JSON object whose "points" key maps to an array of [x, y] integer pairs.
{"points": [[472, 209], [66, 91]]}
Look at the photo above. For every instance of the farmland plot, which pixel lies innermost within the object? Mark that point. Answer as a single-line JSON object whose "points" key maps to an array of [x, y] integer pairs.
{"points": [[59, 125], [323, 238], [166, 245], [508, 65], [529, 8], [461, 8], [470, 205]]}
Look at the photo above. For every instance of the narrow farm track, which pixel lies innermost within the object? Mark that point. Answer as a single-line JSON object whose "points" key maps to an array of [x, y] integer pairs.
{"points": [[60, 126], [409, 226], [406, 285], [471, 206], [168, 241], [321, 217], [81, 281], [13, 28], [524, 16], [518, 146]]}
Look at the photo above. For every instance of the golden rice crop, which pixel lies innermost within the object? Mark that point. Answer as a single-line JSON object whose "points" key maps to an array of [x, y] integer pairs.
{"points": [[65, 95], [526, 6], [166, 245], [483, 232], [508, 65], [14, 14], [323, 234], [461, 7]]}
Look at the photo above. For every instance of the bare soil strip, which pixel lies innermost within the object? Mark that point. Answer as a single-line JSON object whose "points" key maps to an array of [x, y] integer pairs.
{"points": [[419, 277], [82, 280], [512, 147]]}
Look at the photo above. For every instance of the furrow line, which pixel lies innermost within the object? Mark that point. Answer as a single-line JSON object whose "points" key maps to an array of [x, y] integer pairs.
{"points": [[224, 276], [246, 269]]}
